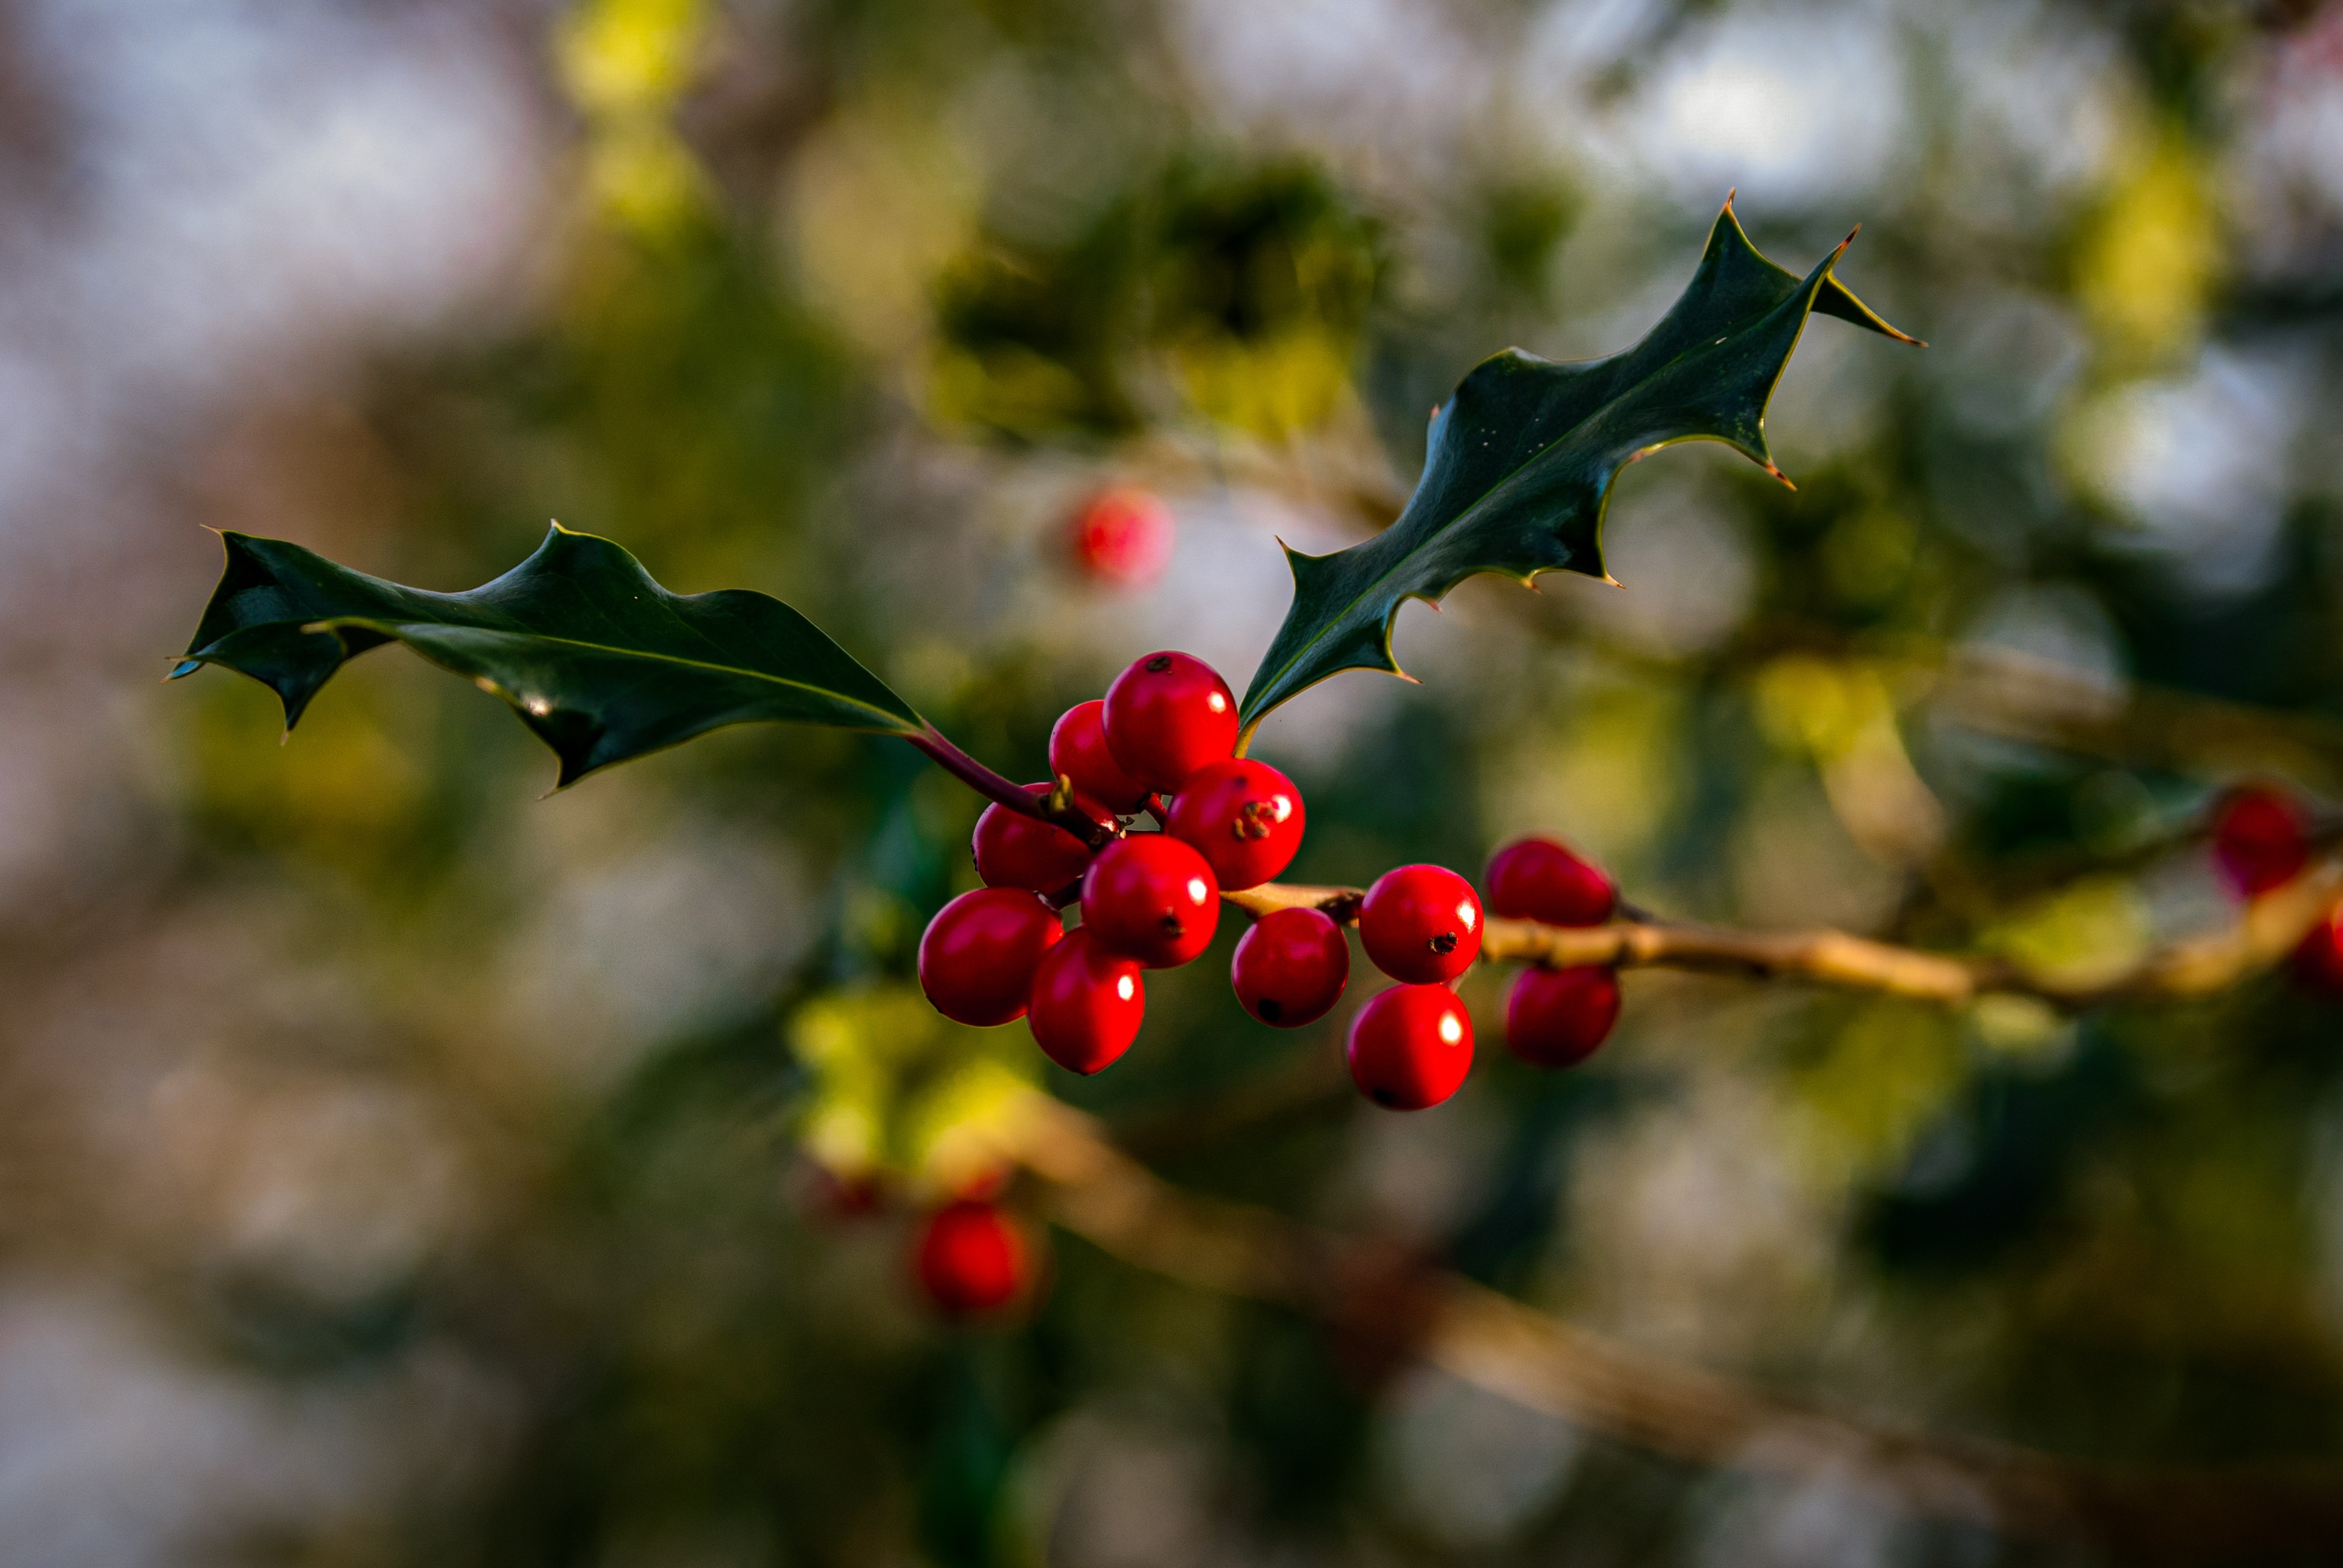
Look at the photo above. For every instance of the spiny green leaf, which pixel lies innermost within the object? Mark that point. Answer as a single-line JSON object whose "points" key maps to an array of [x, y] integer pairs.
{"points": [[598, 658], [1520, 458]]}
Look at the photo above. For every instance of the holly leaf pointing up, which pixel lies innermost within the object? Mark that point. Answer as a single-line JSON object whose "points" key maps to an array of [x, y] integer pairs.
{"points": [[598, 658], [1520, 459]]}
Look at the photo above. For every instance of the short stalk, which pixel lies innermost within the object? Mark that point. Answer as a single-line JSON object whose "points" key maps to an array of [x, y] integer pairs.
{"points": [[1006, 791]]}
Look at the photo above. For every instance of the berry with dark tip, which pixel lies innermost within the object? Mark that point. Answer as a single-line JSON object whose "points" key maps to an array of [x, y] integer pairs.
{"points": [[1087, 1004], [1421, 924], [1078, 750], [2261, 839], [1014, 851], [1411, 1047], [1122, 536], [1244, 816], [1152, 899], [978, 955], [970, 1259], [1290, 969], [1168, 714], [1540, 880], [1558, 1018]]}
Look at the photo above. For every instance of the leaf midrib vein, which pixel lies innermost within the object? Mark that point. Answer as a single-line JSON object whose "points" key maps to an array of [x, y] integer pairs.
{"points": [[894, 720]]}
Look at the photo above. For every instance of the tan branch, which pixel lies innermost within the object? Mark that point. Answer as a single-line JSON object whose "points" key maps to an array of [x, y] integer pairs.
{"points": [[1496, 1343], [2272, 927]]}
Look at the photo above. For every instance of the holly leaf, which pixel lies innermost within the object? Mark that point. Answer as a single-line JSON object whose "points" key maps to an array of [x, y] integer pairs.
{"points": [[1519, 466], [598, 658]]}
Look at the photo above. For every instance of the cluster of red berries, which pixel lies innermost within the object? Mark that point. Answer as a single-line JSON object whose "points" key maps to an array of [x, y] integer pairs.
{"points": [[1411, 1046], [1166, 730], [2262, 841]]}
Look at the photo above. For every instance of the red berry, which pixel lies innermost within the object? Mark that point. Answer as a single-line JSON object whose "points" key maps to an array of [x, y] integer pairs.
{"points": [[1244, 816], [1078, 750], [1014, 851], [1290, 967], [1411, 1047], [1087, 1004], [1421, 924], [1556, 1018], [2319, 962], [1539, 880], [971, 1258], [1122, 536], [978, 957], [1151, 898], [2261, 839], [1167, 716]]}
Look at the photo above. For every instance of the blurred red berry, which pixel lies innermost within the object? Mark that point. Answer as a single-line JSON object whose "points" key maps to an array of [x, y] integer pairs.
{"points": [[2319, 962], [1078, 750], [1168, 714], [1411, 1047], [1558, 1018], [1151, 898], [1014, 851], [1244, 816], [2261, 839], [971, 1258], [978, 957], [1123, 537], [1540, 880], [1087, 1004], [1290, 969], [1421, 924]]}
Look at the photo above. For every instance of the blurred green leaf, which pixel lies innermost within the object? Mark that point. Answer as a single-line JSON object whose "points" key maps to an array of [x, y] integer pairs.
{"points": [[1521, 456], [598, 658]]}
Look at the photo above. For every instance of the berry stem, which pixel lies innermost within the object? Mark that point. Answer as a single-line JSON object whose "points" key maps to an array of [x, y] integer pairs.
{"points": [[1004, 791]]}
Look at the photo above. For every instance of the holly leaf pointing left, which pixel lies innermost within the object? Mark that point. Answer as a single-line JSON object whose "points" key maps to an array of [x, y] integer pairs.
{"points": [[598, 658]]}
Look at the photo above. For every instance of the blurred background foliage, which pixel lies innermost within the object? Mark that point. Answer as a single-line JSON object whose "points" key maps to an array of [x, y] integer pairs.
{"points": [[403, 1168]]}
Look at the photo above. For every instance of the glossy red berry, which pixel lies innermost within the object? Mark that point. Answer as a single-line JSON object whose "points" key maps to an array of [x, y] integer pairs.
{"points": [[1078, 750], [1289, 970], [1421, 924], [1411, 1047], [1556, 1018], [1087, 1004], [1539, 880], [1167, 716], [978, 957], [1122, 536], [2261, 839], [2319, 962], [971, 1258], [1244, 816], [1014, 851], [1151, 898]]}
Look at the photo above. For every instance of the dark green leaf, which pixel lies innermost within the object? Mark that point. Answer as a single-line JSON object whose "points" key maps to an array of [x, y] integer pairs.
{"points": [[598, 658], [1521, 456]]}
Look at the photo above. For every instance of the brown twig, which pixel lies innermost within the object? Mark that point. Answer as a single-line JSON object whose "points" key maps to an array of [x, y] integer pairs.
{"points": [[2272, 928], [1494, 1342]]}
